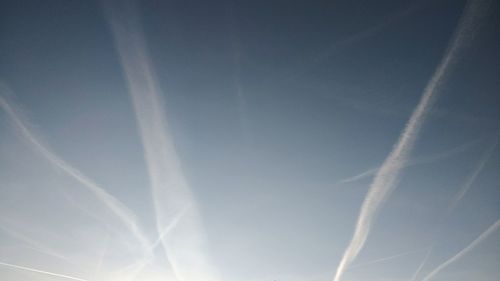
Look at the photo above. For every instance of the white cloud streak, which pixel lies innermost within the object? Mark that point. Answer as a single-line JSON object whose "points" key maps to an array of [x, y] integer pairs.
{"points": [[125, 215], [464, 251], [42, 271], [387, 176], [184, 245]]}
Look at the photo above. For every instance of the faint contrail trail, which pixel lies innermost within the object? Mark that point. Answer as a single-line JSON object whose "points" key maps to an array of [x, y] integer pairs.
{"points": [[465, 250], [472, 177], [121, 211], [383, 259], [41, 271], [417, 161], [387, 176], [424, 261], [34, 245], [135, 268], [170, 190], [460, 194], [175, 220]]}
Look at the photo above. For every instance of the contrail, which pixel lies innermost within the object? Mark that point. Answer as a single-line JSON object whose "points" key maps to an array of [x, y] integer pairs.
{"points": [[236, 58], [121, 211], [169, 227], [42, 271], [383, 259], [472, 177], [34, 245], [170, 190], [387, 176], [135, 268], [418, 161], [465, 250], [361, 35], [424, 261], [461, 193]]}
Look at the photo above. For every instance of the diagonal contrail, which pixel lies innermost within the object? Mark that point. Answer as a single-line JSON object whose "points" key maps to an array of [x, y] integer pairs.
{"points": [[464, 251], [33, 245], [117, 208], [42, 271], [422, 263], [460, 194], [472, 177], [387, 176], [170, 191], [417, 161], [383, 259]]}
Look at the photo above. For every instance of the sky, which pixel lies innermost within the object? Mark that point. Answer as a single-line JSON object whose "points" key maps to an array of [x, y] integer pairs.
{"points": [[249, 140]]}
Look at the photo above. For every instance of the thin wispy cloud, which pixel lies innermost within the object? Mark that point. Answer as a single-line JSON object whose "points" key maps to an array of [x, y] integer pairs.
{"points": [[124, 214], [387, 176], [170, 190], [417, 161], [464, 251], [53, 274]]}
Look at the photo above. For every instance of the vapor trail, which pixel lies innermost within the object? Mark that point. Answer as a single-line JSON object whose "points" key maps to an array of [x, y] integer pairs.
{"points": [[170, 190], [169, 227], [42, 271], [387, 176], [384, 259], [472, 177], [424, 261], [121, 211], [418, 161], [34, 245], [465, 250]]}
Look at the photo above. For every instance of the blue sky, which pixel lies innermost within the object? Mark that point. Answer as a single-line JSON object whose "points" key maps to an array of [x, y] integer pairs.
{"points": [[249, 140]]}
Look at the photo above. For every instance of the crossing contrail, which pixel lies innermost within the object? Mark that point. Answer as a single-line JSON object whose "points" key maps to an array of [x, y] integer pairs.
{"points": [[465, 250], [170, 190], [422, 264], [114, 205], [472, 177], [417, 161], [387, 176], [33, 244], [384, 259], [42, 271]]}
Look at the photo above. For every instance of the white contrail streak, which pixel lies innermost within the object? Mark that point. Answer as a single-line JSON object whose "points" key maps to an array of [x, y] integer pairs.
{"points": [[465, 250], [170, 190], [387, 176], [169, 227], [472, 177], [33, 245], [41, 271], [460, 194], [121, 211], [424, 261], [383, 259], [418, 161]]}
